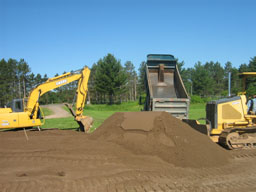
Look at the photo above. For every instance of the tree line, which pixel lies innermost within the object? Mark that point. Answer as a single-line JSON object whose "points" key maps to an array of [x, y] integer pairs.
{"points": [[17, 80], [211, 78], [113, 82], [110, 82]]}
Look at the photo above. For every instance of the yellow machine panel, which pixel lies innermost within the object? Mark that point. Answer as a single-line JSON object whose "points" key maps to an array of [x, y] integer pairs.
{"points": [[5, 110], [25, 120], [231, 111], [9, 120]]}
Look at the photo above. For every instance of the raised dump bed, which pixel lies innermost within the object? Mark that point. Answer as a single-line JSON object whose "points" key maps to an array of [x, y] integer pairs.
{"points": [[164, 86]]}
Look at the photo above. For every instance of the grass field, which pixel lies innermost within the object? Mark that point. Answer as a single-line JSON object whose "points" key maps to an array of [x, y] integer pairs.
{"points": [[102, 112], [197, 111], [46, 111], [98, 112]]}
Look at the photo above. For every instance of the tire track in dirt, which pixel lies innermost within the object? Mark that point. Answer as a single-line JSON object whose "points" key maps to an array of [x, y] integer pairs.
{"points": [[53, 159], [136, 184], [67, 161], [208, 180], [158, 182], [57, 156], [243, 153]]}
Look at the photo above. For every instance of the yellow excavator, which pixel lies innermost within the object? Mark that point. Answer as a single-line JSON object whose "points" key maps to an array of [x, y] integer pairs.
{"points": [[228, 121], [22, 113]]}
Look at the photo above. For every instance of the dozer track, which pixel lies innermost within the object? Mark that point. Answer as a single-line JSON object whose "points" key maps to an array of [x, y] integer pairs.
{"points": [[237, 138]]}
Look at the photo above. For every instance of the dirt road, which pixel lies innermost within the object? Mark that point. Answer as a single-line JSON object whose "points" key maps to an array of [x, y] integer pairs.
{"points": [[58, 160], [58, 111]]}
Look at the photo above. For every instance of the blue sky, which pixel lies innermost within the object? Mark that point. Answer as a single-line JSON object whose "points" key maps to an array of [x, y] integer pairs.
{"points": [[54, 36]]}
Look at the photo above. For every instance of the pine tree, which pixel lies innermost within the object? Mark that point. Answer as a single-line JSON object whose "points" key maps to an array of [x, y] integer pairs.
{"points": [[131, 80], [202, 80], [23, 73], [141, 78], [110, 77], [250, 82]]}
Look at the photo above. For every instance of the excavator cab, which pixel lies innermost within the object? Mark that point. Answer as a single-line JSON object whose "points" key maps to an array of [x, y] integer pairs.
{"points": [[16, 105]]}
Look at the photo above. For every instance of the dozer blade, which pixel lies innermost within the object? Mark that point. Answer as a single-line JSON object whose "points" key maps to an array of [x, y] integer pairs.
{"points": [[205, 129]]}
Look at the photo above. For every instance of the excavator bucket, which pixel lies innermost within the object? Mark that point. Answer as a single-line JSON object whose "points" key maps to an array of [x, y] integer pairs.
{"points": [[84, 122]]}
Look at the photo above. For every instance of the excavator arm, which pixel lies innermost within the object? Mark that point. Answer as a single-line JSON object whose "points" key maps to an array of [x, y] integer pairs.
{"points": [[84, 122], [82, 76], [81, 91]]}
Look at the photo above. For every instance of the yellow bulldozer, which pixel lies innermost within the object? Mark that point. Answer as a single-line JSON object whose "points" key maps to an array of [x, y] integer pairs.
{"points": [[228, 121], [22, 113]]}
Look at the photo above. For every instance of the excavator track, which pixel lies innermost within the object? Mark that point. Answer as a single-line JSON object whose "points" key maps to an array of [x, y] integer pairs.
{"points": [[238, 138]]}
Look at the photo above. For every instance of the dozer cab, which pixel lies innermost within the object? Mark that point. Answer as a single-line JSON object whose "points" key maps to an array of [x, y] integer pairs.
{"points": [[22, 113], [228, 122]]}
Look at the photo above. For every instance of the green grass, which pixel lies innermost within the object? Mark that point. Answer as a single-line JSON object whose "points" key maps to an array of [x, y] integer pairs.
{"points": [[128, 106], [61, 123], [103, 111], [98, 112], [98, 117], [46, 111], [197, 111]]}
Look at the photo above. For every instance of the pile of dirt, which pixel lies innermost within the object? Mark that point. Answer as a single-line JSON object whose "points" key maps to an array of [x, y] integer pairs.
{"points": [[160, 134]]}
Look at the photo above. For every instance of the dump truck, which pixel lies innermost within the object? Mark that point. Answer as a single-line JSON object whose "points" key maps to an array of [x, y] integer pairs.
{"points": [[164, 86]]}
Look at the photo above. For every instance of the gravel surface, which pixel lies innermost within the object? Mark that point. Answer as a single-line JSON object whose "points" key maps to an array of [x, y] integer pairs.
{"points": [[58, 111]]}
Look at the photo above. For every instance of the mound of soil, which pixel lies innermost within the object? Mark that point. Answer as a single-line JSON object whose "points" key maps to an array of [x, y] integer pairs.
{"points": [[162, 135]]}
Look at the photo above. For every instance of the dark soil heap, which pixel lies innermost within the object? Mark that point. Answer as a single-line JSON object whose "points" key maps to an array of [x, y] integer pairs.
{"points": [[162, 135]]}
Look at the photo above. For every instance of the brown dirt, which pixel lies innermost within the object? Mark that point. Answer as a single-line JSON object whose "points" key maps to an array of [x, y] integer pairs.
{"points": [[162, 135], [113, 159]]}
